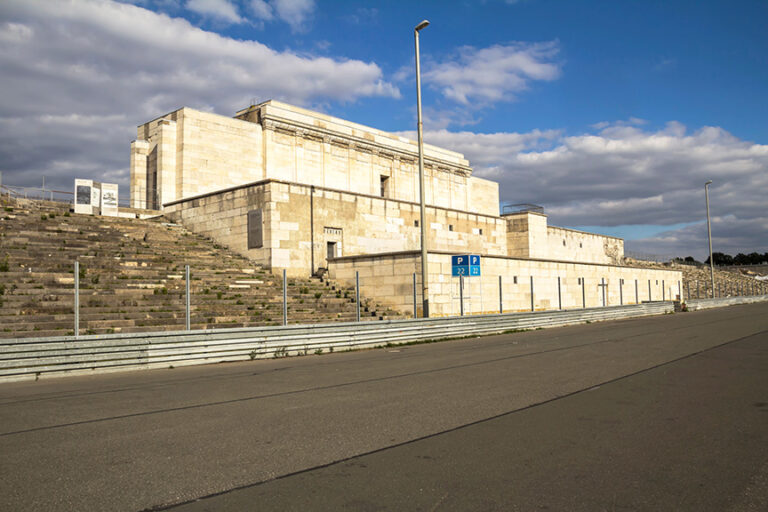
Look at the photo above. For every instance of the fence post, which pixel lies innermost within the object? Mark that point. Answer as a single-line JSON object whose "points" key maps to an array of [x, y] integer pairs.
{"points": [[532, 294], [501, 303], [189, 316], [679, 291], [285, 298], [687, 289], [637, 294], [649, 291], [621, 292], [357, 294], [601, 286], [583, 295], [77, 298], [663, 291], [415, 309], [559, 298], [461, 295]]}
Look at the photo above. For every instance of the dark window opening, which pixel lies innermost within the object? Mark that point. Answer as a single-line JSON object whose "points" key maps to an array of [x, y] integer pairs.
{"points": [[384, 186], [331, 250], [255, 229]]}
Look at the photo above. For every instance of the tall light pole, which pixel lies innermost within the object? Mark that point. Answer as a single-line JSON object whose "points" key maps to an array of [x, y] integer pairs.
{"points": [[709, 235], [422, 209]]}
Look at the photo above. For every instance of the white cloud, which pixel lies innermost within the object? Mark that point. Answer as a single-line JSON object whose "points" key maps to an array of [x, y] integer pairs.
{"points": [[294, 12], [625, 175], [64, 65], [366, 15], [496, 73], [261, 9], [221, 10]]}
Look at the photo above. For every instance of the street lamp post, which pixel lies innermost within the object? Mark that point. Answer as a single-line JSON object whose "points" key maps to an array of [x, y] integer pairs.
{"points": [[423, 215], [709, 235]]}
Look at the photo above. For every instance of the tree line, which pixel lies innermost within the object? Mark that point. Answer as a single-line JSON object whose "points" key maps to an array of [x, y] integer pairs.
{"points": [[720, 258]]}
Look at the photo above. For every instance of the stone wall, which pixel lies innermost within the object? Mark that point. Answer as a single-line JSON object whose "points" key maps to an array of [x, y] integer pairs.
{"points": [[572, 245], [187, 153], [529, 236], [298, 217], [388, 279]]}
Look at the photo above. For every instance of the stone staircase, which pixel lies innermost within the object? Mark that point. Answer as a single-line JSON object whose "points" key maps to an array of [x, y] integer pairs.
{"points": [[132, 278]]}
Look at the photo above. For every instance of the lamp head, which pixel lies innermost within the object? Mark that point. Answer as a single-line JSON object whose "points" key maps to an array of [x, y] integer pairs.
{"points": [[708, 182], [422, 25]]}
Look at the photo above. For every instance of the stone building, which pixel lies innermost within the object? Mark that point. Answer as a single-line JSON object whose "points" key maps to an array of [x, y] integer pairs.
{"points": [[306, 192]]}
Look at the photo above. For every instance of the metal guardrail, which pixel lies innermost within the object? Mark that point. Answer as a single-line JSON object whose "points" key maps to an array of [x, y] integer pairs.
{"points": [[32, 358], [46, 194], [696, 304]]}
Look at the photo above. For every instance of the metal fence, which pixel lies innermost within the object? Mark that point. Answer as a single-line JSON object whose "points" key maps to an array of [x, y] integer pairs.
{"points": [[702, 289], [466, 297], [33, 358], [46, 194], [646, 256]]}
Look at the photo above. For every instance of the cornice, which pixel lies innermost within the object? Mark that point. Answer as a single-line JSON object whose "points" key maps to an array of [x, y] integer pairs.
{"points": [[280, 125]]}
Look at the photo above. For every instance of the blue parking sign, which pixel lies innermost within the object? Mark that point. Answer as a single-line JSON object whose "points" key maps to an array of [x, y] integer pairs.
{"points": [[465, 265]]}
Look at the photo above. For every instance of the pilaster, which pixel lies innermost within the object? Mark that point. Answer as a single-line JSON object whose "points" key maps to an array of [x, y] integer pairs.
{"points": [[166, 162], [139, 151]]}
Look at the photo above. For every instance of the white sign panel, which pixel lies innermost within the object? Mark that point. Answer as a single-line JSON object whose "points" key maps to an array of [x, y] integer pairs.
{"points": [[109, 199]]}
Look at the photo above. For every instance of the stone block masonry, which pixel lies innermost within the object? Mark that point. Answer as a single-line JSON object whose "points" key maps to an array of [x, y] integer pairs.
{"points": [[388, 278], [300, 221]]}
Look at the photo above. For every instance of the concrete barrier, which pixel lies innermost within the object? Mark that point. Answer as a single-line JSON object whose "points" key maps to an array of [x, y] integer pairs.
{"points": [[695, 304], [33, 358]]}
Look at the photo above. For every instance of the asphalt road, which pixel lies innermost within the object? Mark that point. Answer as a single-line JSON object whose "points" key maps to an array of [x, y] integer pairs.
{"points": [[663, 413]]}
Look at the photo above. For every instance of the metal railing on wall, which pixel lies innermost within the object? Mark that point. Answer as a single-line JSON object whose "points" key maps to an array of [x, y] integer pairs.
{"points": [[59, 196], [33, 358], [196, 306], [34, 193], [22, 358]]}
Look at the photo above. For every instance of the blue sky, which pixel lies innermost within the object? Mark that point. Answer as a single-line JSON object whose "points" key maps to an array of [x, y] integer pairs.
{"points": [[609, 114]]}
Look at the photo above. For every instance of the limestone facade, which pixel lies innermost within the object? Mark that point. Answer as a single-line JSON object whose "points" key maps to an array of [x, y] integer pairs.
{"points": [[188, 153], [556, 284], [300, 222], [306, 192]]}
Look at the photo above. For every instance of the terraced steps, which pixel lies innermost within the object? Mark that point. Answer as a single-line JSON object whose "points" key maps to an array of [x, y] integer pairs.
{"points": [[132, 278]]}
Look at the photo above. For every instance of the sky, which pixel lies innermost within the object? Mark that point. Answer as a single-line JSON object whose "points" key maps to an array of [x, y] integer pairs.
{"points": [[609, 114]]}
